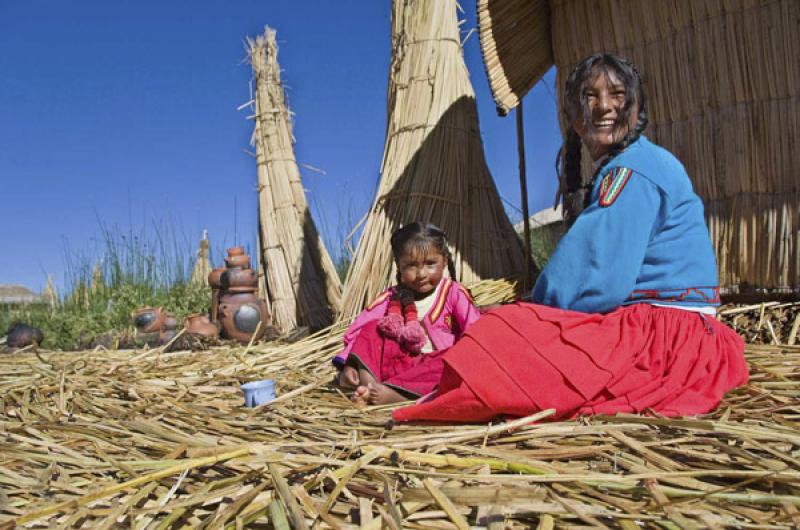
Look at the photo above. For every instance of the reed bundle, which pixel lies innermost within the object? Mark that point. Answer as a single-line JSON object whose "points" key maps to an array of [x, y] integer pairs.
{"points": [[152, 440], [722, 79], [300, 278], [202, 265], [433, 167]]}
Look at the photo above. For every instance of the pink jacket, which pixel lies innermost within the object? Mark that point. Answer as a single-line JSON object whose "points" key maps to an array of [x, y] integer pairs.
{"points": [[449, 317]]}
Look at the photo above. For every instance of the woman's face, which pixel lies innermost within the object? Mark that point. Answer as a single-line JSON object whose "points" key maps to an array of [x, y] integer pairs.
{"points": [[421, 271], [603, 127]]}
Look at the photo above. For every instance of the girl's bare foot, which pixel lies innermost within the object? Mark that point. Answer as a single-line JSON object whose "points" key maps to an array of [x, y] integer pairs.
{"points": [[348, 378], [380, 394], [359, 397], [364, 377]]}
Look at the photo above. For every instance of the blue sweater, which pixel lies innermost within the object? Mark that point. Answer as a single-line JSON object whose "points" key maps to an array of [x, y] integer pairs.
{"points": [[642, 238]]}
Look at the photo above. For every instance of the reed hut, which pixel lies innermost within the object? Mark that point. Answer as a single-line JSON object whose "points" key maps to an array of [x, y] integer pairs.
{"points": [[722, 80], [433, 167], [300, 279]]}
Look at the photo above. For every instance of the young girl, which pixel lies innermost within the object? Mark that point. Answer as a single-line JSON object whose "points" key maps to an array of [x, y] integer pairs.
{"points": [[393, 349]]}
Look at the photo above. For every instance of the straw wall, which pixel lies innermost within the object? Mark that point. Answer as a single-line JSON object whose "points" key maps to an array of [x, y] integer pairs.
{"points": [[301, 282], [433, 167], [722, 83]]}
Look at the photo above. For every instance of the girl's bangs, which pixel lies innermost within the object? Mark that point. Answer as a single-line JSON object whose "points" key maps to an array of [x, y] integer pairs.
{"points": [[420, 247]]}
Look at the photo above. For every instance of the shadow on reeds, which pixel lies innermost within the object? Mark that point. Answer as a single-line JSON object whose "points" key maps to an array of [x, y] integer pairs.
{"points": [[431, 189], [312, 307]]}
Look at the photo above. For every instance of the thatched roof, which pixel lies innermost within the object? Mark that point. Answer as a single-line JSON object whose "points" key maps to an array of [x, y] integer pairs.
{"points": [[722, 80], [17, 294], [516, 44]]}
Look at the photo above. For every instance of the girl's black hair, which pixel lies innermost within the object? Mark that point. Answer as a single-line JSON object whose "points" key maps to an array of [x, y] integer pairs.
{"points": [[418, 236], [571, 187]]}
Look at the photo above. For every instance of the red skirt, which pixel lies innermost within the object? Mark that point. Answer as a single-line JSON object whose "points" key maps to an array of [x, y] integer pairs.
{"points": [[390, 364], [523, 358]]}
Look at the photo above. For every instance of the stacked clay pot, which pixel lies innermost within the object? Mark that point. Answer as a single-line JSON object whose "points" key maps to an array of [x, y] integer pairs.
{"points": [[235, 303]]}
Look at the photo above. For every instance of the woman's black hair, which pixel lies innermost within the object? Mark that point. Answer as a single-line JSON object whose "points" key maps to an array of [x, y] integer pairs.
{"points": [[571, 187], [418, 236]]}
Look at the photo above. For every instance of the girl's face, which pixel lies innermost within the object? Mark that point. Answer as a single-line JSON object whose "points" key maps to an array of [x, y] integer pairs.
{"points": [[421, 271], [603, 127]]}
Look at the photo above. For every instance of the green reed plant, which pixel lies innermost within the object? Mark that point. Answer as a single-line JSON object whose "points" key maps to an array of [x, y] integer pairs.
{"points": [[129, 270]]}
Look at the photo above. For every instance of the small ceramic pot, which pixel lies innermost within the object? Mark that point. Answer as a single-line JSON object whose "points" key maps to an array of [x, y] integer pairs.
{"points": [[240, 261], [149, 319], [170, 322], [199, 324], [241, 321], [239, 278], [166, 335], [20, 335], [236, 251], [214, 277]]}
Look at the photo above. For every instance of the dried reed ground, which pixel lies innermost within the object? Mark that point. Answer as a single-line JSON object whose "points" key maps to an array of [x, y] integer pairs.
{"points": [[160, 440]]}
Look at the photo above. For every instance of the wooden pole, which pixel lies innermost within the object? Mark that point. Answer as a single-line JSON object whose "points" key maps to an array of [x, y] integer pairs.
{"points": [[523, 186]]}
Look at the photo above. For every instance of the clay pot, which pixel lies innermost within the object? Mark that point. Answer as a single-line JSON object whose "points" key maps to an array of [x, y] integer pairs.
{"points": [[214, 277], [240, 261], [166, 335], [199, 324], [228, 298], [241, 319], [20, 335], [170, 322], [149, 319], [147, 339], [236, 251], [235, 278]]}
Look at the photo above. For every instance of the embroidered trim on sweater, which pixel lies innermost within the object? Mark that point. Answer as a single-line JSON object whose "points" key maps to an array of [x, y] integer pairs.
{"points": [[438, 306], [612, 185], [708, 295]]}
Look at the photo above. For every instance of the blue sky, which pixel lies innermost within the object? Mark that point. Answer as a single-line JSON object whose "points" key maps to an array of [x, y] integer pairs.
{"points": [[125, 113]]}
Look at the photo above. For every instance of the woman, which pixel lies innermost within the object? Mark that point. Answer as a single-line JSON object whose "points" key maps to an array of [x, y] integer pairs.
{"points": [[623, 319]]}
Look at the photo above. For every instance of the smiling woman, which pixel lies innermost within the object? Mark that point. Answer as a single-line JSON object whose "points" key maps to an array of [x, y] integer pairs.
{"points": [[599, 125], [604, 103]]}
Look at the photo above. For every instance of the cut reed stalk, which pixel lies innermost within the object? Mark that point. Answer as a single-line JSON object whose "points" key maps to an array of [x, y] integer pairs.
{"points": [[163, 441]]}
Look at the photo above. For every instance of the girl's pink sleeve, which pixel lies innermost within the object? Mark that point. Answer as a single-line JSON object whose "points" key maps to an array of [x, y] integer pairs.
{"points": [[464, 310], [375, 311]]}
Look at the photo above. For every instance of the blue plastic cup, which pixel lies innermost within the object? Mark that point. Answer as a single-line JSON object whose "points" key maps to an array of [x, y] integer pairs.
{"points": [[258, 392]]}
